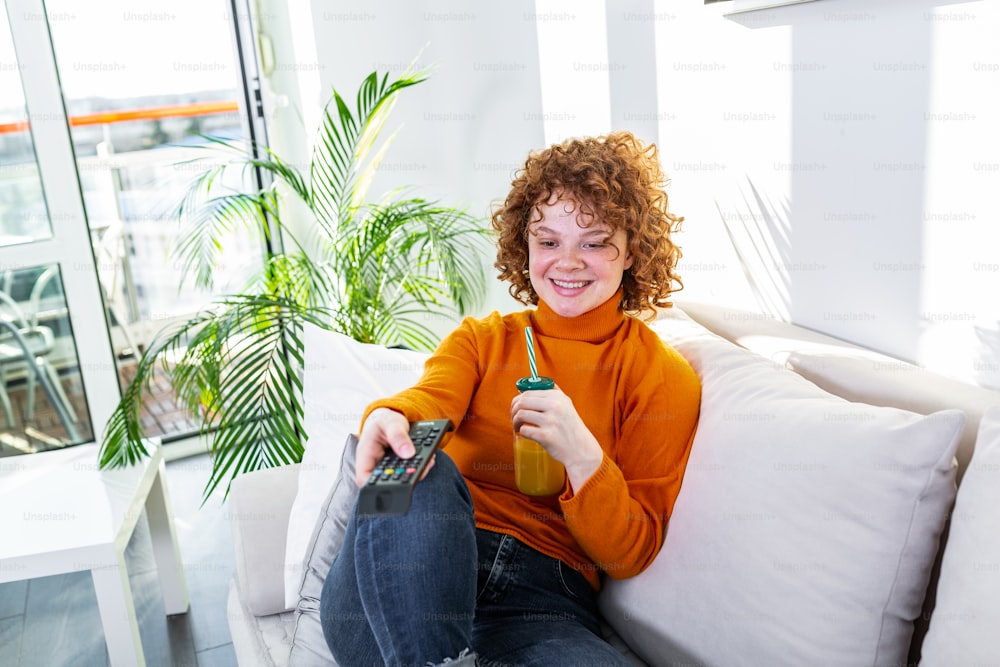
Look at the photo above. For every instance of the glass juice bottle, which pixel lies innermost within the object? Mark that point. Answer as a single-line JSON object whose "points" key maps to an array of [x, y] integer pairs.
{"points": [[535, 472]]}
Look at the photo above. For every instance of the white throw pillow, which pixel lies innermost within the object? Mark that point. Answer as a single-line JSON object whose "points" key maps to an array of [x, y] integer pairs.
{"points": [[967, 614], [341, 377], [806, 525]]}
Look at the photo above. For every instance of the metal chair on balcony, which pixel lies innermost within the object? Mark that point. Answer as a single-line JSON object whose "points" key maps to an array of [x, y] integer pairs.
{"points": [[25, 341]]}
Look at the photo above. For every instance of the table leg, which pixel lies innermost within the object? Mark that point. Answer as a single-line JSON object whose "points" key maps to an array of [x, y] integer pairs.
{"points": [[169, 568], [121, 628]]}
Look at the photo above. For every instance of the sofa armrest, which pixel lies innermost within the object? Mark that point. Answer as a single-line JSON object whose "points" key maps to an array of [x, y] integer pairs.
{"points": [[259, 504]]}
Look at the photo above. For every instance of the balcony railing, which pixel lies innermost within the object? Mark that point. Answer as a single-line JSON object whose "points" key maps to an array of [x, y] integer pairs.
{"points": [[127, 115]]}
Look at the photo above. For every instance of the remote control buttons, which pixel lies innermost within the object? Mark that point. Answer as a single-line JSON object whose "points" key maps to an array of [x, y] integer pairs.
{"points": [[390, 486]]}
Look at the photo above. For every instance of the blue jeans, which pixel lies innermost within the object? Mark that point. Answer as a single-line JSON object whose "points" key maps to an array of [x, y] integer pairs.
{"points": [[430, 587]]}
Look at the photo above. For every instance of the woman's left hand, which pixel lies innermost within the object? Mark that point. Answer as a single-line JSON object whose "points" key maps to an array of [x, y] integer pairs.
{"points": [[548, 417]]}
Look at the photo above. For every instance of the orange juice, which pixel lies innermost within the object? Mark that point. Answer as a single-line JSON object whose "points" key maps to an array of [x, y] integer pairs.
{"points": [[535, 472]]}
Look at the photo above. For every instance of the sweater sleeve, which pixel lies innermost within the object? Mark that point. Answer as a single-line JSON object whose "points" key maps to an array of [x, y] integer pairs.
{"points": [[448, 382], [619, 516]]}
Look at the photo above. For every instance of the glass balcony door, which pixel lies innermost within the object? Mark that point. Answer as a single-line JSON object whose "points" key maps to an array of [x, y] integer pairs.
{"points": [[101, 110], [140, 101], [57, 378]]}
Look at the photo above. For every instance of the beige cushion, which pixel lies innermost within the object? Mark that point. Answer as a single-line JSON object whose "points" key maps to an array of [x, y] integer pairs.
{"points": [[805, 529], [965, 621]]}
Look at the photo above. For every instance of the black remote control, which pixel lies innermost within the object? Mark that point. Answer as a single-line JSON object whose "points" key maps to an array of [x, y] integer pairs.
{"points": [[389, 489]]}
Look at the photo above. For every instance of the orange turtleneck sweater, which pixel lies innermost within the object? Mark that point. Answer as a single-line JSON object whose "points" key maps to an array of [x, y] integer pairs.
{"points": [[638, 397]]}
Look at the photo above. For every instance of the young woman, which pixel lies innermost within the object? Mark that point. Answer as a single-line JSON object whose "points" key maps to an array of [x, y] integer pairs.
{"points": [[478, 572]]}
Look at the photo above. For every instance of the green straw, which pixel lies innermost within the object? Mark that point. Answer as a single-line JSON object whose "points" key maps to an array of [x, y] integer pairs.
{"points": [[531, 353]]}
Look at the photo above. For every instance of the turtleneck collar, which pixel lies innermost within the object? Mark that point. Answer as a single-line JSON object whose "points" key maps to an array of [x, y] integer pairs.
{"points": [[594, 326]]}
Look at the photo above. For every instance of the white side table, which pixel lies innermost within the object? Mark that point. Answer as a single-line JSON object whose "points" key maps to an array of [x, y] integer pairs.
{"points": [[59, 513]]}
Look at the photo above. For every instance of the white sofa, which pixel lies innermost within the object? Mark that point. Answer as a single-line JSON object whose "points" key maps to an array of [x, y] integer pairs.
{"points": [[809, 529]]}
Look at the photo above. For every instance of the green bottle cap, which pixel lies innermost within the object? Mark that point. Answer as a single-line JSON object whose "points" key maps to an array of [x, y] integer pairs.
{"points": [[527, 384]]}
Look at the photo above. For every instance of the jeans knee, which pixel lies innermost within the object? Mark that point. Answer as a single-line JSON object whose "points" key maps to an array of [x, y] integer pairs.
{"points": [[443, 490]]}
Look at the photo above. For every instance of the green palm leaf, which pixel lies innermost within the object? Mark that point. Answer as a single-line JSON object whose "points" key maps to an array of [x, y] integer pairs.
{"points": [[378, 272]]}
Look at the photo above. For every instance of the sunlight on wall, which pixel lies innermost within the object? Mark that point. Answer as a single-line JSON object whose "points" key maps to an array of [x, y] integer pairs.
{"points": [[725, 145], [960, 314], [573, 57], [837, 163]]}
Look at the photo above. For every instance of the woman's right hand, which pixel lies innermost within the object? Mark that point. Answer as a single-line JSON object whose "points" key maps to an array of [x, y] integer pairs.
{"points": [[383, 429]]}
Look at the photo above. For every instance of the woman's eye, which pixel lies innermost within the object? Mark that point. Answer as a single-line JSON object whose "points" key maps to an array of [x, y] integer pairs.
{"points": [[547, 244]]}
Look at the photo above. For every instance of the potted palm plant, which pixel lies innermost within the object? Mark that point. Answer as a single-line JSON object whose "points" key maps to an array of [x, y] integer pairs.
{"points": [[373, 270]]}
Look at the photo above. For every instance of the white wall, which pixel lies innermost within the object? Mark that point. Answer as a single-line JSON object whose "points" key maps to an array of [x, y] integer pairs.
{"points": [[833, 159]]}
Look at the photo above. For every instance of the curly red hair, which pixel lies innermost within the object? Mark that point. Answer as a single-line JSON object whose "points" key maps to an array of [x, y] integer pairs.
{"points": [[617, 181]]}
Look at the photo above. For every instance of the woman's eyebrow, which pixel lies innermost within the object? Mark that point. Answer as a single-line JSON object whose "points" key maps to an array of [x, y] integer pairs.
{"points": [[588, 232]]}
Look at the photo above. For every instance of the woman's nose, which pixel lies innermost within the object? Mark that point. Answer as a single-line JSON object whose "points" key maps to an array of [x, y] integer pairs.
{"points": [[570, 258]]}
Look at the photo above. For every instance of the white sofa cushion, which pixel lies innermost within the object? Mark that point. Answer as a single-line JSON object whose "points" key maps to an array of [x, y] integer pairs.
{"points": [[805, 529], [967, 615], [342, 376]]}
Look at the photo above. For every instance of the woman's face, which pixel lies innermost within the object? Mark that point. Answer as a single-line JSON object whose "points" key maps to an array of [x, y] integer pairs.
{"points": [[575, 263]]}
